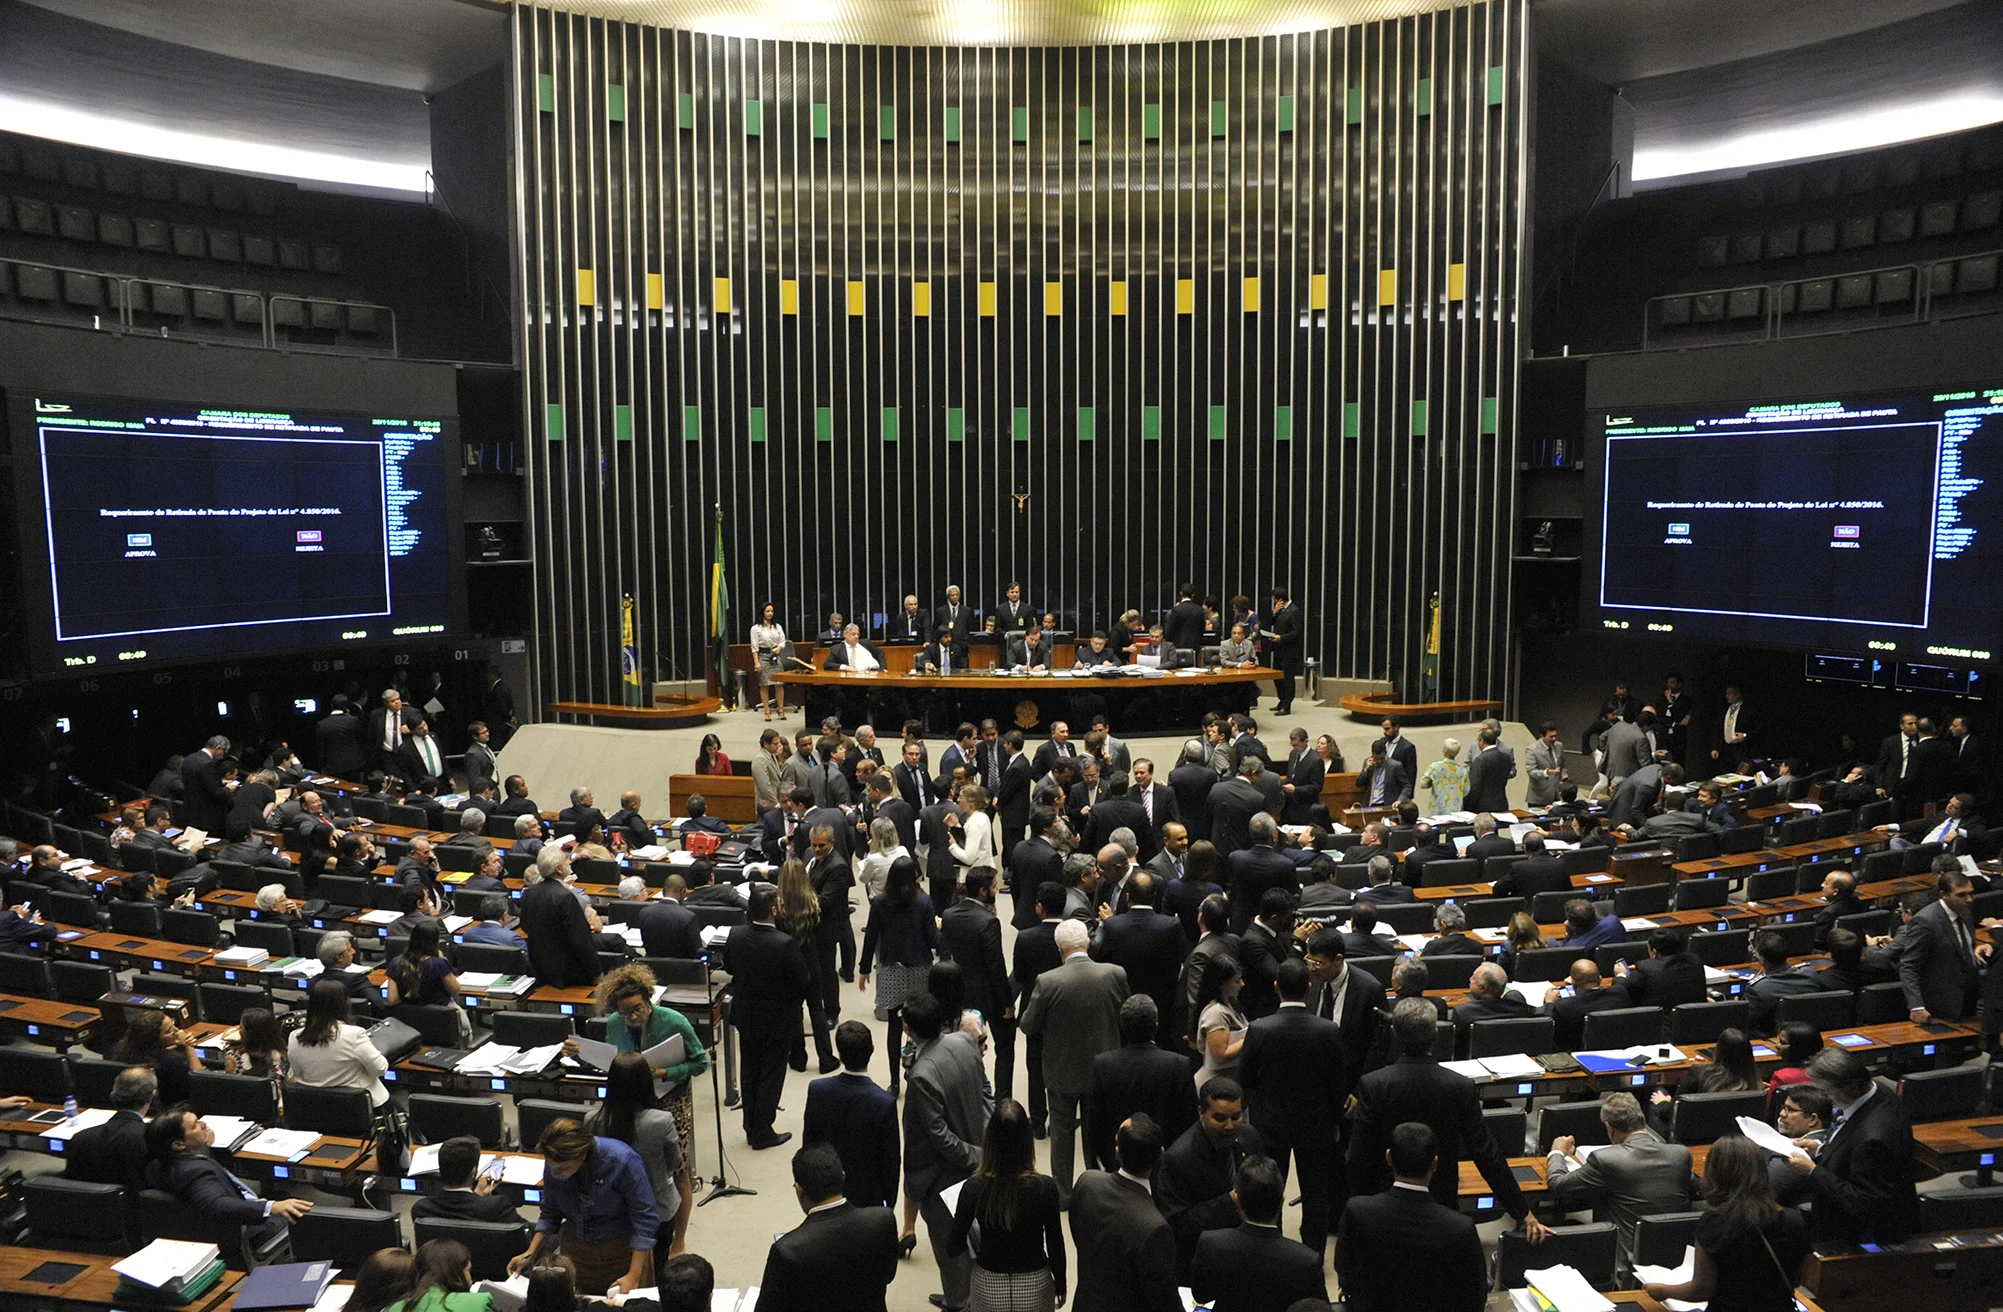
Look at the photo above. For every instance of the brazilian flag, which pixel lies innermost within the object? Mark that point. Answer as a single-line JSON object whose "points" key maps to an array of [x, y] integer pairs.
{"points": [[1432, 666], [719, 613], [629, 656]]}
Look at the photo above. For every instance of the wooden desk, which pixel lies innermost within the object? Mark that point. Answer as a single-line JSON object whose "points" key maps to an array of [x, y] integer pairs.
{"points": [[1377, 705], [1747, 863], [1943, 1146], [1027, 702], [1531, 1178], [90, 1288], [131, 951], [1924, 1271], [58, 1023]]}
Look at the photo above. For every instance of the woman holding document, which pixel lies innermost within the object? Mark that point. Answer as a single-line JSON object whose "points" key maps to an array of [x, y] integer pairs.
{"points": [[635, 1024]]}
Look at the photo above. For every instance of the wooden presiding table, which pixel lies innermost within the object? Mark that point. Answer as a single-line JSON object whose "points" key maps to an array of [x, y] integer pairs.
{"points": [[1046, 697]]}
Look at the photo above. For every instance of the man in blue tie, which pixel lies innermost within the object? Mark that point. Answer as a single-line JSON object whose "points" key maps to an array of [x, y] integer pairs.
{"points": [[178, 1141], [1958, 818]]}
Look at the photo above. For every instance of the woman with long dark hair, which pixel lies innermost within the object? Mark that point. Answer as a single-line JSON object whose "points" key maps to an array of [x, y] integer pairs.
{"points": [[768, 645], [800, 918], [1220, 1025], [634, 1022], [552, 1287], [441, 1280], [1798, 1042], [632, 1114], [903, 927], [153, 1040], [709, 757], [382, 1281], [1730, 1070], [330, 1052], [1749, 1248], [1019, 1243], [259, 1045], [425, 977]]}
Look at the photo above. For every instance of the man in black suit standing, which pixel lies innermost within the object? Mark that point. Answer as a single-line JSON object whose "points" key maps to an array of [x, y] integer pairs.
{"points": [[1488, 774], [115, 1152], [842, 1257], [1056, 747], [205, 797], [338, 741], [1117, 809], [1861, 1176], [914, 784], [1245, 740], [971, 935], [1126, 1250], [1401, 1248], [1192, 1186], [1397, 747], [1191, 781], [1293, 1071], [1248, 873], [1671, 976], [1735, 735], [1014, 615], [1283, 649], [389, 724], [909, 624], [769, 980], [889, 806], [1035, 954], [1233, 804], [858, 1117], [497, 707], [1136, 1078], [1148, 945], [955, 616], [1034, 863], [561, 950], [1012, 794], [1156, 800], [946, 1114], [1345, 995], [1253, 1267], [1382, 781], [1183, 627], [1938, 956], [1304, 775]]}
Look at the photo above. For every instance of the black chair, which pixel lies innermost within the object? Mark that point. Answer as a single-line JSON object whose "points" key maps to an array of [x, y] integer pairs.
{"points": [[522, 1029], [1537, 965], [437, 1025], [1549, 908], [1705, 1117], [1746, 838], [1961, 1209], [140, 918], [1872, 814], [1881, 1004], [196, 928], [1508, 1126], [1492, 912], [1802, 829], [344, 1113], [1868, 924], [1881, 865], [345, 1236], [1660, 1240], [1622, 1027], [81, 981], [1696, 894], [43, 1076], [1589, 860], [163, 1216], [1836, 824], [74, 1215], [226, 1003], [410, 817], [706, 916], [1633, 952], [492, 1244], [1941, 1095], [1378, 968], [78, 910], [533, 1116], [1764, 885], [1696, 847], [343, 890], [1833, 1010], [169, 863], [1495, 867], [171, 986], [1587, 1249], [1919, 858], [491, 958], [1797, 938], [25, 976], [237, 876], [1405, 918], [1702, 1022], [1722, 947], [1643, 899], [1502, 1038], [272, 936], [1448, 872], [93, 1078], [1450, 972], [456, 858], [435, 1117], [217, 1093], [1581, 1120]]}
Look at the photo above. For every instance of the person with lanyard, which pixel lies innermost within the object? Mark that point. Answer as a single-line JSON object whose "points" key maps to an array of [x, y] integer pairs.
{"points": [[635, 1023], [597, 1201]]}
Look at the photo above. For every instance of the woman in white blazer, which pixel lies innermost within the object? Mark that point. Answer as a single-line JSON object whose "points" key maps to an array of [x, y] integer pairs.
{"points": [[331, 1053]]}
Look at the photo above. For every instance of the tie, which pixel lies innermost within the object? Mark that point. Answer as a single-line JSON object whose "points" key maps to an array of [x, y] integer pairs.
{"points": [[1327, 1002], [1964, 940], [389, 730], [429, 750], [1148, 804], [1905, 755], [924, 797]]}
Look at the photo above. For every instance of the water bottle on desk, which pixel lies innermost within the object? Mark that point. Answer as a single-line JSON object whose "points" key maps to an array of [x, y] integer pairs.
{"points": [[69, 1108]]}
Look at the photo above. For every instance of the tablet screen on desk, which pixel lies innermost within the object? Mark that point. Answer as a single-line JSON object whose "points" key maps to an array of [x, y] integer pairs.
{"points": [[1851, 1040], [55, 1273], [1524, 1174]]}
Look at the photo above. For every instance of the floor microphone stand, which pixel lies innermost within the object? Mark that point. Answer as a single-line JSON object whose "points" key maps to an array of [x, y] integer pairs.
{"points": [[720, 1187]]}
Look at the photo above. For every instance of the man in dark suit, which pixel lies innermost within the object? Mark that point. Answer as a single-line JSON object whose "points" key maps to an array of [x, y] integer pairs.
{"points": [[1416, 1088], [1248, 873], [1035, 954], [516, 800], [1292, 1069], [1156, 800], [1192, 1186], [1938, 958], [465, 1194], [1345, 995], [1012, 794], [882, 794], [561, 950], [1670, 977], [1253, 1267], [1245, 740], [1034, 863], [389, 725], [971, 935], [115, 1152], [858, 1117], [1488, 998], [1931, 775], [205, 796], [178, 1142], [778, 827], [909, 624], [946, 1113], [1428, 845], [842, 1256], [1402, 1248], [1735, 734], [1305, 772], [1488, 841], [1191, 781], [583, 810], [769, 980], [1032, 651], [1145, 943], [1267, 943], [942, 877], [1538, 872], [1852, 966], [1839, 893], [1861, 1177], [1117, 809], [1397, 747], [1126, 1250], [955, 617], [337, 741], [914, 784], [1283, 649], [1183, 626], [669, 929], [1634, 801], [1138, 1077], [1488, 774], [1233, 803], [944, 655], [1054, 748], [1383, 781], [1568, 1015]]}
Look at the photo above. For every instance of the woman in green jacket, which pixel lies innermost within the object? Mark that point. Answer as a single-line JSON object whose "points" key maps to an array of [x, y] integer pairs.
{"points": [[634, 1023], [441, 1279]]}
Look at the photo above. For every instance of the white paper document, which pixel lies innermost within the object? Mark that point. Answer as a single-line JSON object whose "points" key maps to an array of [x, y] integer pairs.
{"points": [[1513, 1066], [281, 1143], [524, 1170], [950, 1196], [230, 1130], [595, 1054], [1567, 1290], [1765, 1136], [166, 1260], [1473, 1070], [378, 917], [86, 1118], [424, 1160]]}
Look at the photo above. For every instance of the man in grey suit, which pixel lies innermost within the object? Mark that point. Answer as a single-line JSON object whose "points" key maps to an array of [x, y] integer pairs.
{"points": [[1626, 749], [946, 1111], [1545, 759], [1126, 1252], [1636, 1175], [1634, 801], [1076, 1008], [769, 781], [1939, 958]]}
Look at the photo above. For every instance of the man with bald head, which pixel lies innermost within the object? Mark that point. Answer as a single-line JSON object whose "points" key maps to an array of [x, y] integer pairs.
{"points": [[1488, 998], [1568, 1013], [1147, 944]]}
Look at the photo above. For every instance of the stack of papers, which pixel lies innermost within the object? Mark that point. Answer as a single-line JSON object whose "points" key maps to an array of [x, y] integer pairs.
{"points": [[86, 1118], [453, 924], [495, 983], [524, 1170], [1567, 1291], [76, 865], [164, 1262], [281, 1143], [651, 852], [242, 958], [505, 1059], [1680, 1274], [302, 968], [424, 1160], [1637, 922], [1514, 1066], [714, 935], [230, 1130], [378, 917]]}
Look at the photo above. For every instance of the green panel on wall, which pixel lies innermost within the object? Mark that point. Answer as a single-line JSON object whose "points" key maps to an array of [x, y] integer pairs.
{"points": [[1352, 419], [956, 424], [1423, 97], [622, 423], [1151, 121], [1019, 122], [1495, 82], [545, 93], [1354, 103], [1220, 118], [824, 424], [821, 119], [1150, 423], [1491, 418], [615, 103], [1019, 423], [953, 126], [1087, 423], [1418, 419], [1284, 114], [685, 110], [1084, 122], [757, 424], [890, 423], [553, 422], [691, 423], [886, 122], [1217, 424], [1283, 423], [754, 118]]}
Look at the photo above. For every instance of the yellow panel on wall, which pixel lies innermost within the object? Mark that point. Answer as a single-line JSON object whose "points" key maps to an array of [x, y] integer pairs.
{"points": [[655, 297], [921, 299], [1185, 296], [1387, 287], [789, 296], [1053, 298], [722, 302], [1317, 291], [856, 300], [987, 300], [1251, 296], [1116, 297], [587, 287], [1456, 282]]}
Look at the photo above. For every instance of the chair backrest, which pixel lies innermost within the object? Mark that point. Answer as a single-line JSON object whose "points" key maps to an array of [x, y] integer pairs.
{"points": [[1797, 938], [1405, 918], [1766, 884], [1535, 965], [43, 1076], [1500, 1038], [1633, 952], [93, 1078], [344, 1113], [1881, 1004], [218, 1093], [1450, 972], [226, 1003], [168, 862], [1660, 1240], [678, 972], [1549, 908], [1867, 923], [79, 910], [1696, 847], [345, 1236], [1581, 1120], [593, 870], [1832, 1010], [456, 857], [522, 1029], [1887, 864], [1588, 860], [1941, 1095], [1450, 871], [1622, 1027], [237, 876], [1587, 1249], [141, 918], [75, 1214], [163, 1216], [271, 935], [1702, 1022], [533, 1115], [1492, 912], [1508, 1126], [1643, 899], [25, 976], [372, 808], [1746, 838], [491, 958], [1961, 1209], [1803, 829], [437, 1024], [706, 916], [1704, 1117], [410, 817], [437, 1117], [1919, 858], [1722, 947], [1872, 814], [197, 928], [343, 890], [1835, 824], [1378, 968], [1691, 894], [81, 981], [491, 1244]]}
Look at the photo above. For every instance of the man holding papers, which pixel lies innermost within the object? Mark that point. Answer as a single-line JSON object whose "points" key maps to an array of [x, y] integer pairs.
{"points": [[1635, 1175]]}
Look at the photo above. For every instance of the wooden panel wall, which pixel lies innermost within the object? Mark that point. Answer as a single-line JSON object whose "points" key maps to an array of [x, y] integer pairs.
{"points": [[1099, 320]]}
